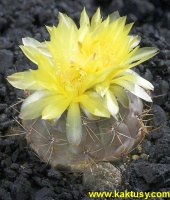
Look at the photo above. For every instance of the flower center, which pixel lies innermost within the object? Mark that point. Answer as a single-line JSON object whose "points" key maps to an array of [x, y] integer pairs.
{"points": [[71, 75]]}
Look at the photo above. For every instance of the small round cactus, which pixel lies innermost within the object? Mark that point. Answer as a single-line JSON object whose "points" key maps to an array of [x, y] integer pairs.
{"points": [[85, 105], [103, 139]]}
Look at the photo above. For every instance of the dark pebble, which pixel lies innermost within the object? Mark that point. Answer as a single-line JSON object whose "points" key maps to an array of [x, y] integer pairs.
{"points": [[7, 73], [7, 185], [159, 116], [3, 106], [5, 43], [167, 105], [7, 124], [153, 174], [68, 196], [58, 190], [5, 195], [41, 182], [76, 194], [7, 150], [7, 142], [140, 9], [14, 166], [26, 172], [2, 91], [167, 21], [16, 35], [21, 189], [6, 60], [54, 174], [161, 91], [148, 75], [10, 174], [164, 55], [15, 155], [7, 162], [40, 169], [3, 117], [46, 193], [146, 145]]}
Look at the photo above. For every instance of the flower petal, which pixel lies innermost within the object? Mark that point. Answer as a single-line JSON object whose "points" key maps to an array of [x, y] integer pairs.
{"points": [[35, 103], [88, 114], [135, 42], [127, 28], [23, 80], [113, 16], [142, 55], [65, 21], [94, 104], [111, 103], [49, 28], [56, 108], [30, 52], [120, 93], [84, 19], [38, 48], [135, 89], [27, 41], [74, 124], [87, 82], [103, 74], [45, 75], [96, 20], [136, 79], [102, 87]]}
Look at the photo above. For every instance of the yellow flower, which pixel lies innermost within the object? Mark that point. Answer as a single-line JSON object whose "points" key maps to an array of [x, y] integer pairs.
{"points": [[85, 69]]}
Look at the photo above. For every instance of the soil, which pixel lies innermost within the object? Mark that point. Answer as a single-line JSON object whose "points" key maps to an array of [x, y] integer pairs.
{"points": [[22, 175]]}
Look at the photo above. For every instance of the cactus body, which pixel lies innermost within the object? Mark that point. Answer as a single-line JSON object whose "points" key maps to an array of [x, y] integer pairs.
{"points": [[103, 139]]}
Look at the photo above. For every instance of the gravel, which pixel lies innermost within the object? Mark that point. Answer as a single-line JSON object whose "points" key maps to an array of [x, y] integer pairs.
{"points": [[22, 175]]}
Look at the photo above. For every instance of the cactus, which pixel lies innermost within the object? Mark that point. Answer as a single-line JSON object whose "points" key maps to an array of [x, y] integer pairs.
{"points": [[104, 140], [85, 101]]}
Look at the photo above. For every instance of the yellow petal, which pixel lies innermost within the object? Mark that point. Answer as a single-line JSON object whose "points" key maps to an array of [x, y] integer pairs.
{"points": [[23, 80], [95, 104], [92, 79], [136, 79], [74, 124], [88, 114], [114, 16], [45, 75], [66, 21], [102, 87], [96, 19], [49, 28], [38, 48], [87, 82], [120, 93], [134, 41], [30, 52], [84, 19], [55, 109], [111, 103], [141, 55], [127, 28], [102, 74], [35, 103], [27, 41], [135, 89]]}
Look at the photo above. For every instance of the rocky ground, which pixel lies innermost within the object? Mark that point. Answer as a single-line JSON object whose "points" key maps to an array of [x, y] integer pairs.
{"points": [[22, 175]]}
